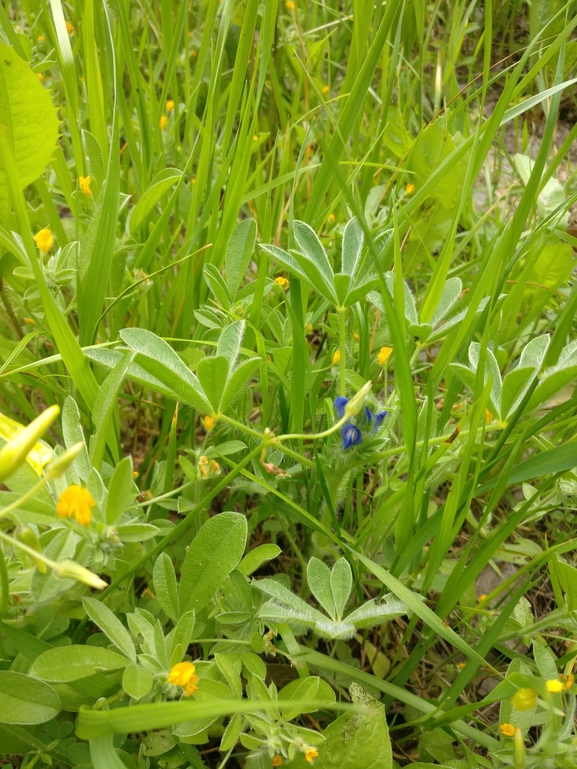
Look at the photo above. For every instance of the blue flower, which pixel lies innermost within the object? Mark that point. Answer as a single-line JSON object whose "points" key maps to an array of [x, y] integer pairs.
{"points": [[351, 433], [352, 436]]}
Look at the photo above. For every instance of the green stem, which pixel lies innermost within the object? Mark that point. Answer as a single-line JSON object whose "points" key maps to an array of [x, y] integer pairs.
{"points": [[30, 493], [343, 360], [5, 585]]}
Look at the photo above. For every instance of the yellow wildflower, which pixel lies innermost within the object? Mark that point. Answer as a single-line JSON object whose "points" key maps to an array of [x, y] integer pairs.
{"points": [[75, 502], [194, 53], [169, 105], [29, 320], [325, 89], [460, 665], [22, 443], [163, 122], [69, 27], [41, 38], [568, 680], [524, 698], [203, 465], [384, 354], [290, 6], [209, 423], [282, 282], [44, 240], [277, 761], [507, 729], [214, 467], [554, 686], [41, 77], [482, 597], [488, 417], [356, 337], [182, 674], [84, 184], [409, 189], [336, 357], [331, 218], [311, 754], [309, 328]]}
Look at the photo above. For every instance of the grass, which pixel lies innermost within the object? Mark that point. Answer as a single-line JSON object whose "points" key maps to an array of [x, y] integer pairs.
{"points": [[158, 324]]}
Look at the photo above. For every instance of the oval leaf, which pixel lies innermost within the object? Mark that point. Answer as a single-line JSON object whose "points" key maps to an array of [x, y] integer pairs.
{"points": [[69, 663], [25, 700]]}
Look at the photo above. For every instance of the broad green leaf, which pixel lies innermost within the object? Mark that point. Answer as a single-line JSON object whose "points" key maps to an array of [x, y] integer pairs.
{"points": [[158, 357], [533, 354], [553, 381], [111, 626], [341, 284], [213, 374], [254, 559], [69, 663], [182, 637], [376, 611], [136, 681], [315, 262], [515, 384], [289, 263], [137, 532], [237, 381], [104, 755], [238, 253], [319, 579], [282, 595], [161, 183], [29, 119], [26, 700], [567, 576], [165, 585], [121, 492], [353, 239], [214, 553], [451, 293], [110, 358], [491, 367], [72, 432], [310, 688], [341, 585], [104, 407], [217, 285]]}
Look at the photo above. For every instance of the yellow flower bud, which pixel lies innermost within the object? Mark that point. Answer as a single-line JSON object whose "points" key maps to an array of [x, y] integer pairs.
{"points": [[72, 570], [524, 698], [519, 757], [209, 423], [44, 240], [336, 357], [508, 730], [384, 354], [409, 189], [69, 27], [311, 754], [282, 282], [277, 761], [61, 464], [554, 686], [15, 452], [84, 184], [169, 105], [325, 89], [163, 122], [41, 77], [356, 402], [290, 6]]}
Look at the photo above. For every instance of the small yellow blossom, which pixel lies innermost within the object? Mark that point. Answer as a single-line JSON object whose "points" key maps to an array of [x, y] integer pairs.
{"points": [[507, 729], [203, 465], [44, 240], [163, 122], [311, 754], [325, 89], [336, 357], [214, 467], [182, 674], [169, 105], [409, 189], [460, 665], [524, 698], [277, 761], [69, 27], [209, 423], [290, 6], [309, 328], [76, 502], [568, 680], [488, 417], [356, 337], [193, 180], [331, 218], [384, 354], [482, 597], [29, 320], [554, 686], [41, 77], [282, 282], [41, 38], [84, 184]]}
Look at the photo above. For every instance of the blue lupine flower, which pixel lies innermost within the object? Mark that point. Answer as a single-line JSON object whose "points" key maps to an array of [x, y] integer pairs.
{"points": [[352, 436], [351, 433]]}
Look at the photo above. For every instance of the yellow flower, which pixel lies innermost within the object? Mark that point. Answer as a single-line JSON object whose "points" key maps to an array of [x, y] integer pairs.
{"points": [[75, 502], [290, 6], [163, 122], [41, 38], [309, 328], [482, 597], [194, 53], [209, 423], [507, 729], [488, 417], [22, 443], [325, 89], [554, 686], [311, 754], [568, 680], [336, 357], [214, 467], [84, 184], [41, 77], [356, 337], [384, 354], [44, 240], [277, 761], [282, 282], [182, 674], [409, 189], [169, 105], [69, 27], [524, 698], [203, 465], [331, 218]]}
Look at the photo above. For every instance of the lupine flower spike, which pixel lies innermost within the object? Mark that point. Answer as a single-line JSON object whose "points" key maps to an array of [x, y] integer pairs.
{"points": [[351, 433]]}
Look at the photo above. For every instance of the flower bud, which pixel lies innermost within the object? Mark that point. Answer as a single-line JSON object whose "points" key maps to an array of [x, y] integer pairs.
{"points": [[72, 570], [356, 402], [519, 757], [14, 453], [61, 464]]}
